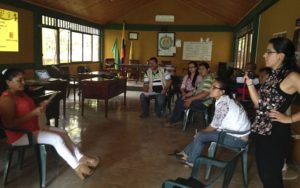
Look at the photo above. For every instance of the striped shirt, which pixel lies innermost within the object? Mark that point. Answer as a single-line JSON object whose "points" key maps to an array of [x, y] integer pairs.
{"points": [[157, 85], [205, 85]]}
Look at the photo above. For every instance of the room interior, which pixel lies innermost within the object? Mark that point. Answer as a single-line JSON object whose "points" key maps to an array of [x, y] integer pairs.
{"points": [[134, 152]]}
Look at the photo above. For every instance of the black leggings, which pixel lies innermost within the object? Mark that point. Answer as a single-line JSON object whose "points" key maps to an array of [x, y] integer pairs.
{"points": [[270, 154]]}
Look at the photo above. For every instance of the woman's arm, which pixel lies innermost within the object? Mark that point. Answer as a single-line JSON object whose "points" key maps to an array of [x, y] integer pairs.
{"points": [[289, 85], [283, 118], [252, 90], [183, 85], [8, 113]]}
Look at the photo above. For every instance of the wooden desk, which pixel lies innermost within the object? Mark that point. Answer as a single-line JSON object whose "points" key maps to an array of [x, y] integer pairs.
{"points": [[99, 88]]}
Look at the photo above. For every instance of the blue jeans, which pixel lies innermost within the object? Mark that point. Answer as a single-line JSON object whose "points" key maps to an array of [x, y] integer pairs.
{"points": [[194, 149], [179, 109], [159, 103]]}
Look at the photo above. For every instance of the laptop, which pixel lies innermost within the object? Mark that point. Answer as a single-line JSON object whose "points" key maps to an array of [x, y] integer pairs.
{"points": [[42, 74]]}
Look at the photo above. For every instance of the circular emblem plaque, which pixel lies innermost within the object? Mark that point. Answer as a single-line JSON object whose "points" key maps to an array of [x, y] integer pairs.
{"points": [[166, 42]]}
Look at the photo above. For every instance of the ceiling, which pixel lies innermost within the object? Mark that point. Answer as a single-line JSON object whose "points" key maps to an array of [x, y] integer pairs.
{"points": [[228, 12]]}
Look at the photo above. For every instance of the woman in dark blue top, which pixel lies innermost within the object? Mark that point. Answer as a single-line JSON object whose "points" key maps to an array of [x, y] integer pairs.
{"points": [[271, 126]]}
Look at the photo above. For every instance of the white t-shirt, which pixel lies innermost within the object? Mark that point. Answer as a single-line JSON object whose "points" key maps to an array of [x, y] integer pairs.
{"points": [[231, 116]]}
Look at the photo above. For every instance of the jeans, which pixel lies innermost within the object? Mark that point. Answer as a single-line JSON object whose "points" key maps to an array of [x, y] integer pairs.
{"points": [[159, 103], [179, 109], [194, 149]]}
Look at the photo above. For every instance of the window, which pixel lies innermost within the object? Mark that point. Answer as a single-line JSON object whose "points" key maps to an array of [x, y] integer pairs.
{"points": [[243, 46], [49, 46], [64, 46], [95, 48], [76, 46], [76, 42], [87, 47]]}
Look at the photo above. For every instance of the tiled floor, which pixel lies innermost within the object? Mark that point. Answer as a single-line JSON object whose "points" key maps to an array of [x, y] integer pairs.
{"points": [[134, 151]]}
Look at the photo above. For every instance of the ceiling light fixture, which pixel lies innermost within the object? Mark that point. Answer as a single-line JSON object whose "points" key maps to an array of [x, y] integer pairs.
{"points": [[164, 18]]}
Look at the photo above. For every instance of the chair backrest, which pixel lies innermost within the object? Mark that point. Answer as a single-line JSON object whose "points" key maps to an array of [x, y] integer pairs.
{"points": [[134, 62], [109, 63], [83, 69], [166, 62]]}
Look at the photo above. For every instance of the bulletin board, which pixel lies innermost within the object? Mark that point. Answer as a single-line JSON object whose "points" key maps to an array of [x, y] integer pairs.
{"points": [[197, 50]]}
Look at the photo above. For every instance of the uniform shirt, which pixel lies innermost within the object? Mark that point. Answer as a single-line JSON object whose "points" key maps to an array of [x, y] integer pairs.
{"points": [[157, 83]]}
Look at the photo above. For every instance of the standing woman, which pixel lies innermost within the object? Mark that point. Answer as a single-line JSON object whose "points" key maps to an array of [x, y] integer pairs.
{"points": [[190, 81], [18, 111], [271, 126]]}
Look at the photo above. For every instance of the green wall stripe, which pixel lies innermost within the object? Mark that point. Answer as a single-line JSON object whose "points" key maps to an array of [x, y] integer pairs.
{"points": [[171, 28]]}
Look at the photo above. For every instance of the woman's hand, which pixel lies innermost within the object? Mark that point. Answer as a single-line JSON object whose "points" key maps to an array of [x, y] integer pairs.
{"points": [[280, 117], [247, 79], [187, 102], [38, 110], [44, 103]]}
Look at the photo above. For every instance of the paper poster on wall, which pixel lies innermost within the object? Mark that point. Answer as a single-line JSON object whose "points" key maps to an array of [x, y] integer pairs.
{"points": [[9, 40], [197, 51]]}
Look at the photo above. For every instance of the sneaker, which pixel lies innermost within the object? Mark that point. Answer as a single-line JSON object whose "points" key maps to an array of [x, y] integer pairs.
{"points": [[187, 164], [143, 116], [289, 174]]}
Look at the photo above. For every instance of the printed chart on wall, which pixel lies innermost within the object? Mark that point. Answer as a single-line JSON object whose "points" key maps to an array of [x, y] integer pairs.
{"points": [[197, 50], [9, 31]]}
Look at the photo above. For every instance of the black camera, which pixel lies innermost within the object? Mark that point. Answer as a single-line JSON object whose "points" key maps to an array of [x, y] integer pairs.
{"points": [[250, 74]]}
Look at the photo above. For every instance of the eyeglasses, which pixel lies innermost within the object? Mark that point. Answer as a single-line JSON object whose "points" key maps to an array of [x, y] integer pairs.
{"points": [[270, 52], [215, 87]]}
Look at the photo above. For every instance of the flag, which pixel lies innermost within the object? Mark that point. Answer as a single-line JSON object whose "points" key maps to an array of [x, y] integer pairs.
{"points": [[123, 50], [130, 51], [115, 51]]}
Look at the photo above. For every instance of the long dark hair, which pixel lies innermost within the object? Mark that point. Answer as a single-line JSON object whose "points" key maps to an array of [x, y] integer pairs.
{"points": [[196, 73], [286, 46], [8, 75]]}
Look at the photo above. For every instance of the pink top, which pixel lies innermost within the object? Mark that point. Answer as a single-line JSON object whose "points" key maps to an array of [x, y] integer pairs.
{"points": [[187, 83], [24, 105]]}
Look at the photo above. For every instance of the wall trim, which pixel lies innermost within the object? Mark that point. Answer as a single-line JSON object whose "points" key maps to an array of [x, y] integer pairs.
{"points": [[170, 28]]}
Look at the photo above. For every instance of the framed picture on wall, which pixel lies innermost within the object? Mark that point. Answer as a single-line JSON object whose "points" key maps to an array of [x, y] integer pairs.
{"points": [[166, 44], [133, 36]]}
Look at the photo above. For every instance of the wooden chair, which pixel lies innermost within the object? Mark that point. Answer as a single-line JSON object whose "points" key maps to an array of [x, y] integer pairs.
{"points": [[109, 64], [40, 151], [226, 171], [133, 70]]}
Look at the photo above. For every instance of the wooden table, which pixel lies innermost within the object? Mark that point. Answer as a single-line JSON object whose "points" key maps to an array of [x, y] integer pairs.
{"points": [[102, 89]]}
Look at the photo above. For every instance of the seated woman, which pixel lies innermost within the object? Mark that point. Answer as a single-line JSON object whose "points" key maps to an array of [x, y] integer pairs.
{"points": [[197, 99], [19, 111], [190, 81], [228, 115]]}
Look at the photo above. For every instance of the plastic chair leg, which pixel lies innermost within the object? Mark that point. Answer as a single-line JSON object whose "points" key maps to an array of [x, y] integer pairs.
{"points": [[185, 119], [244, 159], [7, 164], [21, 155], [211, 153], [42, 163]]}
